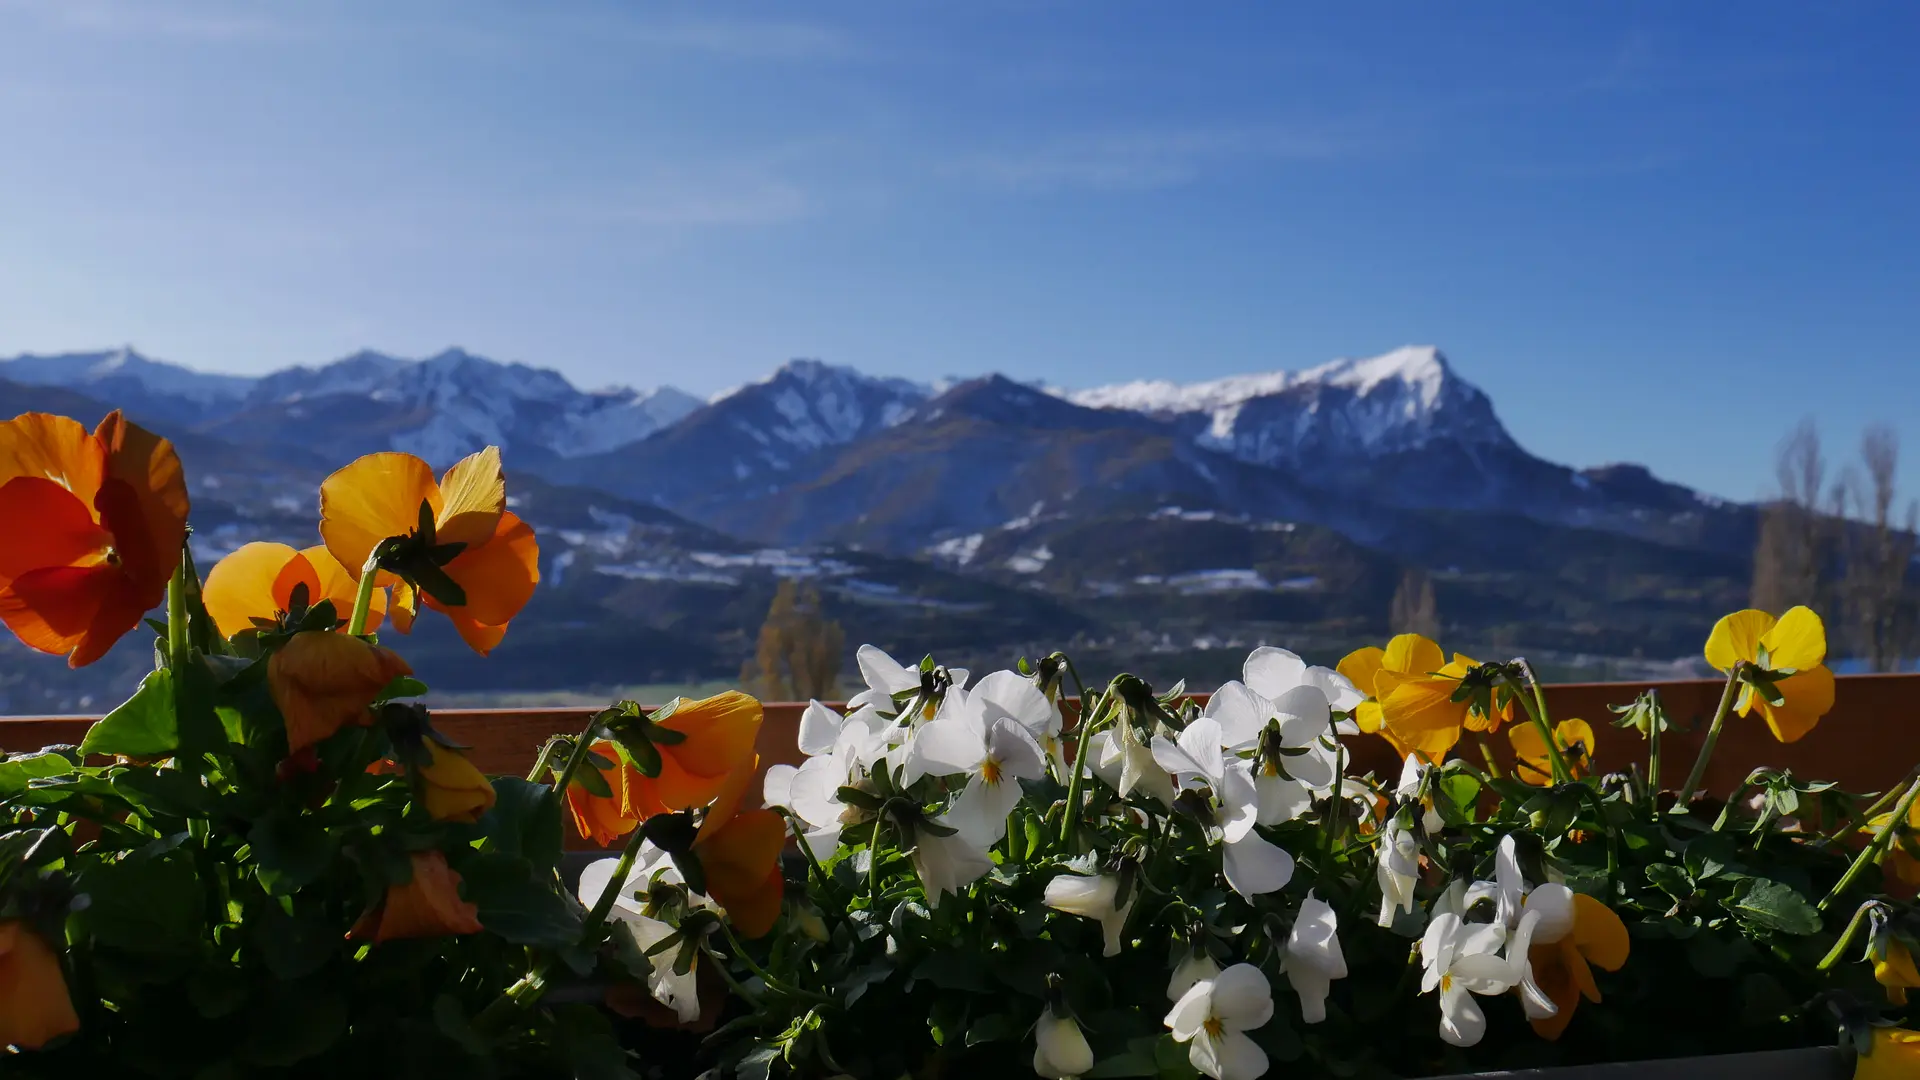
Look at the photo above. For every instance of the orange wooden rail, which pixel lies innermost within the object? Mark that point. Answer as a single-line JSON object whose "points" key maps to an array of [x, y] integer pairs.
{"points": [[1866, 744]]}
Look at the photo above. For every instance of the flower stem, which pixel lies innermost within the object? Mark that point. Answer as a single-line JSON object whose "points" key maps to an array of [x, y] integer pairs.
{"points": [[541, 763], [1102, 715], [363, 597], [1613, 840], [1335, 809], [1846, 936], [1537, 712], [582, 746], [179, 646], [1879, 804], [1653, 763], [1686, 793], [873, 858], [1486, 751], [1875, 847], [1726, 812], [776, 985]]}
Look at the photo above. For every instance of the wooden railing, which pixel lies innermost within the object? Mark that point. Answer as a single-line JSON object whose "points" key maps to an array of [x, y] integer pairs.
{"points": [[1867, 743]]}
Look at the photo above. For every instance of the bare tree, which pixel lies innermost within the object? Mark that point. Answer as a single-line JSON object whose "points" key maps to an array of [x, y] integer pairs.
{"points": [[798, 654], [1414, 610], [1796, 528], [1880, 605]]}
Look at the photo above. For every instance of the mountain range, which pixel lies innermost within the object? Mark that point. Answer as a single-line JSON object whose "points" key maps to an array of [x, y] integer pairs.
{"points": [[1147, 515]]}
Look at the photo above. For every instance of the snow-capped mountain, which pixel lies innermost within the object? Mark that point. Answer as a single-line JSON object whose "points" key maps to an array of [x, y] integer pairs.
{"points": [[1400, 401], [134, 382], [752, 438], [453, 403]]}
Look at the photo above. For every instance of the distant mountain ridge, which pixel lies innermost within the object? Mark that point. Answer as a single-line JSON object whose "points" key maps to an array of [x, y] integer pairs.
{"points": [[816, 451]]}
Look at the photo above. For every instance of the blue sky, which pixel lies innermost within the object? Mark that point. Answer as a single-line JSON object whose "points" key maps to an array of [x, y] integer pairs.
{"points": [[1652, 232]]}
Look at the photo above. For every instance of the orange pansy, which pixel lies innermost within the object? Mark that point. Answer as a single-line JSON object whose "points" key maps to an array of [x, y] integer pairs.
{"points": [[253, 586], [1562, 968], [379, 497], [35, 1007], [427, 906], [720, 733], [601, 818], [324, 680], [109, 514]]}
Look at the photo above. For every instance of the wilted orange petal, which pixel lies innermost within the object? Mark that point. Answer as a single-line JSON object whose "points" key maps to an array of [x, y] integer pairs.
{"points": [[427, 906], [742, 866], [371, 499], [243, 589], [63, 531], [52, 448], [473, 495], [142, 500], [498, 575], [732, 793], [35, 1006]]}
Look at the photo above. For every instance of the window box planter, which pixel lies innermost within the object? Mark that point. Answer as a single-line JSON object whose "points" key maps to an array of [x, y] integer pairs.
{"points": [[1812, 1063]]}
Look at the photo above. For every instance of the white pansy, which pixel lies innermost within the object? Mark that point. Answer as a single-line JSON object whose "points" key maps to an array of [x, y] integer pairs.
{"points": [[1314, 958], [1460, 960], [1213, 1017], [1289, 735], [1191, 969], [1060, 1050], [1092, 897], [1399, 868], [1272, 672], [1550, 909], [994, 751], [885, 677], [1126, 764], [1199, 756], [677, 992], [1016, 697], [838, 749], [1413, 773], [947, 864]]}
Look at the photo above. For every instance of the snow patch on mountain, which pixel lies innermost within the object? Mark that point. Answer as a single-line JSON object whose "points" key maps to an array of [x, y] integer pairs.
{"points": [[1399, 401]]}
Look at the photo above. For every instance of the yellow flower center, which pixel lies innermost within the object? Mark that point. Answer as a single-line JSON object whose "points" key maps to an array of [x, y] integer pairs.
{"points": [[1214, 1027], [1446, 983], [990, 770]]}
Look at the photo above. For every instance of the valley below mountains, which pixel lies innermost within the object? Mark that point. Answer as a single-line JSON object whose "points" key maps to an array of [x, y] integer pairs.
{"points": [[1149, 526]]}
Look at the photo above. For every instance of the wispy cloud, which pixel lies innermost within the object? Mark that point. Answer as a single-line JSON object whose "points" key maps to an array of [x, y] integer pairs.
{"points": [[193, 20], [746, 39], [1143, 161]]}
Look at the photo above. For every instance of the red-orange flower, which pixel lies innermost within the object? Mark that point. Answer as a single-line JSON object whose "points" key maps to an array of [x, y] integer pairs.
{"points": [[379, 497], [1563, 968], [739, 852], [427, 906], [35, 1007], [95, 525], [324, 680], [720, 733], [252, 586], [601, 818]]}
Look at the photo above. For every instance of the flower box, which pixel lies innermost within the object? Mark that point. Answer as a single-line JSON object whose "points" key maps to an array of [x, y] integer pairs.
{"points": [[1814, 1063]]}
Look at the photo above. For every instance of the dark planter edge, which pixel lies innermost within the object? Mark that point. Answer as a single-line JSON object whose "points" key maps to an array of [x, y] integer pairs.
{"points": [[1807, 1063]]}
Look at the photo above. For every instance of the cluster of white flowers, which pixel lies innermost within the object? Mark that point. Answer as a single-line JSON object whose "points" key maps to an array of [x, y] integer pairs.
{"points": [[1462, 958]]}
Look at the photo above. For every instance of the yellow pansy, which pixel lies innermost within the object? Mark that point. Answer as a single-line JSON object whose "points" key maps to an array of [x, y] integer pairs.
{"points": [[1573, 737], [1796, 642], [1412, 685], [1896, 1056]]}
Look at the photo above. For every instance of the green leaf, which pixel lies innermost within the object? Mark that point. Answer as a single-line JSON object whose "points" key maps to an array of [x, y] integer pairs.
{"points": [[17, 772], [149, 901], [217, 989], [1717, 955], [452, 1021], [593, 1052], [994, 1027], [293, 1024], [290, 851], [292, 946], [1671, 880], [1127, 1064], [402, 686], [1771, 905], [167, 792], [198, 723], [955, 969], [524, 822], [143, 726], [517, 905]]}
